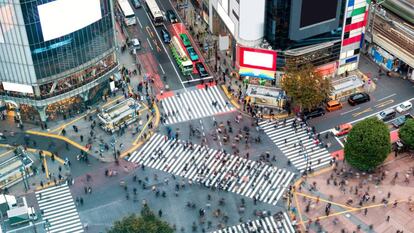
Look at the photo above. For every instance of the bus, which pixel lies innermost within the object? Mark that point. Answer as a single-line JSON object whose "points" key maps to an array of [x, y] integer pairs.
{"points": [[154, 11], [181, 57], [127, 12]]}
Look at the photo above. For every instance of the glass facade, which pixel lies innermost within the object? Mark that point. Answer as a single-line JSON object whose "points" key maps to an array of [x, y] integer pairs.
{"points": [[277, 25], [52, 58]]}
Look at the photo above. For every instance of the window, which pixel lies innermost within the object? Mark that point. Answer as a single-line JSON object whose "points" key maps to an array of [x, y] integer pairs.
{"points": [[235, 15]]}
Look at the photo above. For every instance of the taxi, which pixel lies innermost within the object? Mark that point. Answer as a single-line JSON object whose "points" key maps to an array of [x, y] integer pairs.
{"points": [[342, 129]]}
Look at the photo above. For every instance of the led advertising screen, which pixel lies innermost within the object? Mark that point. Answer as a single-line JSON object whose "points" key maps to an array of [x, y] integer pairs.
{"points": [[17, 87], [317, 11], [61, 17], [260, 63]]}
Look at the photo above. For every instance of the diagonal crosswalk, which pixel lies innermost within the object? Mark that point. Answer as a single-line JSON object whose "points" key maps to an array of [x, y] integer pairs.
{"points": [[298, 145], [58, 208], [214, 168], [279, 223], [195, 104]]}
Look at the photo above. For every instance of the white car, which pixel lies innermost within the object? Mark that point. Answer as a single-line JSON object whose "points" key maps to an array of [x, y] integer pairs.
{"points": [[405, 106]]}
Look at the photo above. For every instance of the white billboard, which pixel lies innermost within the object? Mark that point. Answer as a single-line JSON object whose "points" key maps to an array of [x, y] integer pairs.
{"points": [[22, 88], [61, 17]]}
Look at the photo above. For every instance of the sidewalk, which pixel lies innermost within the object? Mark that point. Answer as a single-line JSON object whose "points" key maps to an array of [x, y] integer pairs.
{"points": [[89, 136], [360, 200], [47, 170]]}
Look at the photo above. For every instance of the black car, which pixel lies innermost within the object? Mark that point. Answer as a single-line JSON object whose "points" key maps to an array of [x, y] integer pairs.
{"points": [[171, 16], [317, 112], [136, 3], [358, 98], [201, 70], [166, 37]]}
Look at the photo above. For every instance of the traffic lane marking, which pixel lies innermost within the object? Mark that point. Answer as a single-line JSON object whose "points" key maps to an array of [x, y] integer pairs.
{"points": [[352, 110], [362, 112], [383, 104], [165, 50], [150, 44], [386, 97], [149, 31]]}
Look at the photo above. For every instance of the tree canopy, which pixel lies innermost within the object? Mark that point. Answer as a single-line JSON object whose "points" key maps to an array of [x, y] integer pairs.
{"points": [[406, 133], [305, 86], [148, 222], [368, 144]]}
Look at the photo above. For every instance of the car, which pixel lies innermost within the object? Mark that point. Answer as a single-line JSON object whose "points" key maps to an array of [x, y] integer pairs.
{"points": [[201, 69], [135, 43], [333, 105], [166, 36], [387, 114], [2, 137], [192, 53], [186, 41], [405, 106], [358, 98], [171, 16], [136, 4], [342, 129], [400, 121], [314, 113]]}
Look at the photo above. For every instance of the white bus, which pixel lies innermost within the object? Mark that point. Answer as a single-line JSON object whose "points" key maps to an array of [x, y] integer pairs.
{"points": [[155, 13], [127, 12]]}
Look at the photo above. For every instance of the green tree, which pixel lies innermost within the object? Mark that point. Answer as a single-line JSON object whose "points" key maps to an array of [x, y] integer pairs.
{"points": [[305, 86], [368, 144], [406, 133], [148, 222]]}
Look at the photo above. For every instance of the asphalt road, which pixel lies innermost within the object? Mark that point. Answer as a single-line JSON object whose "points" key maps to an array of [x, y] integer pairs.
{"points": [[389, 93]]}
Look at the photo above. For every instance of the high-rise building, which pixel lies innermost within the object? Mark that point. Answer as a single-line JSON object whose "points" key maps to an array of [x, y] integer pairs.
{"points": [[326, 33], [56, 56], [390, 36]]}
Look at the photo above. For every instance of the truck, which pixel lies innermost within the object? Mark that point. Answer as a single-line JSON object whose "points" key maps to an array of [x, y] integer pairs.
{"points": [[21, 215]]}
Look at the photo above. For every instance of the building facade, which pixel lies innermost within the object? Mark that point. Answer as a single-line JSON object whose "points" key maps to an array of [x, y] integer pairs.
{"points": [[390, 36], [54, 56]]}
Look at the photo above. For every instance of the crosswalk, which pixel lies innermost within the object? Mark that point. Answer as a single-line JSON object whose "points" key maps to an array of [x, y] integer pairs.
{"points": [[213, 168], [59, 210], [298, 145], [194, 104], [279, 223]]}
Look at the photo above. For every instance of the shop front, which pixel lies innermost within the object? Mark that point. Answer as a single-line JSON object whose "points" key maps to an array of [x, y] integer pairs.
{"points": [[269, 101], [345, 87]]}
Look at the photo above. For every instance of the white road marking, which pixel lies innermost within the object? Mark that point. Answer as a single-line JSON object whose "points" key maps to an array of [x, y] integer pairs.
{"points": [[150, 44], [352, 110], [386, 97], [165, 50], [162, 69], [139, 22], [339, 141], [373, 114]]}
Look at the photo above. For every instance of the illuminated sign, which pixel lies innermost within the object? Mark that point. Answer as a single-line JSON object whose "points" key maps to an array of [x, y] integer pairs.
{"points": [[260, 63]]}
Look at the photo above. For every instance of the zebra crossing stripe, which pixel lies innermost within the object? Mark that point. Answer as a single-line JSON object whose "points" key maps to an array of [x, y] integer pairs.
{"points": [[278, 223], [213, 168], [194, 105], [297, 145], [58, 208]]}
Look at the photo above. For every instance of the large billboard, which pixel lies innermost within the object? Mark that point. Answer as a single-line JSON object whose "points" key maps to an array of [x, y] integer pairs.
{"points": [[260, 63], [61, 17], [312, 13]]}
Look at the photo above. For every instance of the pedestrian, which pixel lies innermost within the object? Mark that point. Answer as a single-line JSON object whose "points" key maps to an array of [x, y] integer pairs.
{"points": [[160, 213], [81, 201], [388, 218], [365, 211]]}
